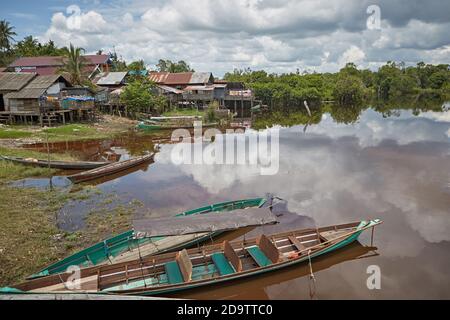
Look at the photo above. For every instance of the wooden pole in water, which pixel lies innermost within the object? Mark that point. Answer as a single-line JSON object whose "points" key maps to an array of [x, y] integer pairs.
{"points": [[371, 237], [48, 159]]}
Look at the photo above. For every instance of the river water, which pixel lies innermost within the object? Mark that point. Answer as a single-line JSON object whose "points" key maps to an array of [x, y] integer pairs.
{"points": [[394, 166]]}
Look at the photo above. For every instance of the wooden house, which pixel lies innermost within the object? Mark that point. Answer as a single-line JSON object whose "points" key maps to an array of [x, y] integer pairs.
{"points": [[41, 92], [12, 82]]}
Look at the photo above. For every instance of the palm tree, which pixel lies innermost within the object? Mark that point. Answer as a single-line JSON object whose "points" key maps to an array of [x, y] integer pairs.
{"points": [[28, 47], [6, 35], [73, 64]]}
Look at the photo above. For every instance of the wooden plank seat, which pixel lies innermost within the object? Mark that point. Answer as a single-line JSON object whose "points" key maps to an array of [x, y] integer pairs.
{"points": [[265, 252], [222, 264], [173, 272], [297, 244], [259, 256], [180, 270]]}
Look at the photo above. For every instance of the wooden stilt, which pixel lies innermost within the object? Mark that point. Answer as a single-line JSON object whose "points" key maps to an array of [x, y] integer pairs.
{"points": [[371, 237]]}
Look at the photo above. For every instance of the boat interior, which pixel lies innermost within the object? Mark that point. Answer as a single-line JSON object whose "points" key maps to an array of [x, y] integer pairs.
{"points": [[201, 264]]}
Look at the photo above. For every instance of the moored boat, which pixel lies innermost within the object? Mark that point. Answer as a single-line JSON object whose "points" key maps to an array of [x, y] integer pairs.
{"points": [[109, 169], [208, 265], [57, 164], [127, 246], [148, 126]]}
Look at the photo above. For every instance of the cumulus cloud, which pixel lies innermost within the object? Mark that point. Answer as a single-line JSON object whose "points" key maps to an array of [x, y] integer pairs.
{"points": [[279, 36], [352, 54]]}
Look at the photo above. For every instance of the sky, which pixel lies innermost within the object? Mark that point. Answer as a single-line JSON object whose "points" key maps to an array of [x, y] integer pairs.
{"points": [[219, 36]]}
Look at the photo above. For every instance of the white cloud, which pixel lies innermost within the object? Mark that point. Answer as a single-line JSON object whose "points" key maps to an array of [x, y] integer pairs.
{"points": [[279, 36], [352, 54]]}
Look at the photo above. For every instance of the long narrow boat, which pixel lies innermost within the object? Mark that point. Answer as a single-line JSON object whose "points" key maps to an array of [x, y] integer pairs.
{"points": [[56, 164], [159, 126], [208, 265], [109, 169], [126, 246]]}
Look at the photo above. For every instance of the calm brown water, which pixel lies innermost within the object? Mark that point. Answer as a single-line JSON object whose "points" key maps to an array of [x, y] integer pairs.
{"points": [[395, 168]]}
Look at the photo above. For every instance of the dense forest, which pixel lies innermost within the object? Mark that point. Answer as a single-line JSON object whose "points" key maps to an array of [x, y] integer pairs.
{"points": [[348, 86]]}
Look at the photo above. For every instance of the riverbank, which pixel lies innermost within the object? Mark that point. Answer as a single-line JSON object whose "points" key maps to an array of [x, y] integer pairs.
{"points": [[29, 235], [106, 127]]}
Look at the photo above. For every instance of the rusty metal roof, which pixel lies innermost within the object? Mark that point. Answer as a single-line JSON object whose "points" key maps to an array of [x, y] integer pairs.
{"points": [[179, 78], [12, 81], [158, 77]]}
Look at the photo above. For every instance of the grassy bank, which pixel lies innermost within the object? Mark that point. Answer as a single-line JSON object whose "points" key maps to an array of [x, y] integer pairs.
{"points": [[184, 112], [29, 236], [107, 127]]}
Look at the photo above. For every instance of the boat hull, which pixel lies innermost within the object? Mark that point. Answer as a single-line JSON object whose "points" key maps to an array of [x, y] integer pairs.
{"points": [[272, 268], [63, 165], [123, 247], [151, 127], [109, 169]]}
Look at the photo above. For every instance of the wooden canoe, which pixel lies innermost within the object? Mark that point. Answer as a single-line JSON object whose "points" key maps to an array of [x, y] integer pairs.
{"points": [[208, 265], [56, 164], [126, 246], [109, 169], [156, 126]]}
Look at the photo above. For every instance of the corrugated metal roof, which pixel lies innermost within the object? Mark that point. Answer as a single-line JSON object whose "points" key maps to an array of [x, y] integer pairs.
{"points": [[26, 94], [12, 81], [158, 77], [35, 88], [111, 78], [200, 77], [169, 89], [43, 82], [46, 61], [204, 88], [180, 78]]}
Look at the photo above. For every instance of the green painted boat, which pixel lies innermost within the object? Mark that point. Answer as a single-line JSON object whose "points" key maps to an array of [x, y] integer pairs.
{"points": [[126, 246], [204, 266]]}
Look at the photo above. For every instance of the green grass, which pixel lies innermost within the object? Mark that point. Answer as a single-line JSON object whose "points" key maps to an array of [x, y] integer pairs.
{"points": [[27, 232], [71, 132], [183, 112], [14, 134], [24, 153], [10, 171], [29, 236]]}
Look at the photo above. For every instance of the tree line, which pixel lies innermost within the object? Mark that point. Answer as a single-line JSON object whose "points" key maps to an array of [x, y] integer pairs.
{"points": [[348, 86]]}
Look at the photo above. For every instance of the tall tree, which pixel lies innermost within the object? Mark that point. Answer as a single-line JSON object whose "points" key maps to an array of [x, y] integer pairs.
{"points": [[73, 64], [6, 35], [28, 47], [138, 65], [170, 66]]}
